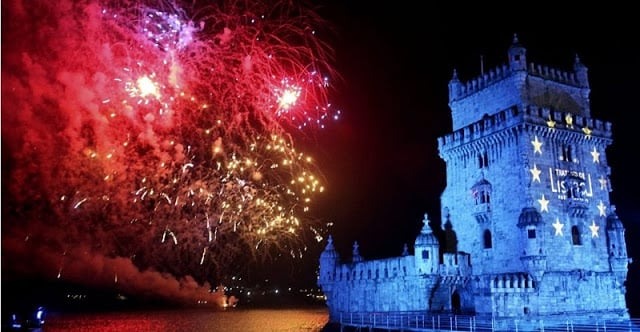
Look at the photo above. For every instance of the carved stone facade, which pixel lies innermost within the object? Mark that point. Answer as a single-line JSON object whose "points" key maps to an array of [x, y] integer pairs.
{"points": [[528, 201]]}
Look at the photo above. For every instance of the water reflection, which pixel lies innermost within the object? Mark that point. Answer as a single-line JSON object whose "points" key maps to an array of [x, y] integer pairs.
{"points": [[259, 320]]}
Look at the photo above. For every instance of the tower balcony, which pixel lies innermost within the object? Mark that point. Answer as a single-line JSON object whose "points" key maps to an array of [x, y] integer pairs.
{"points": [[482, 213], [576, 207]]}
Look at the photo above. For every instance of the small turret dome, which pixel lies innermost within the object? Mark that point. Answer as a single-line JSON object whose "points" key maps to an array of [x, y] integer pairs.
{"points": [[329, 251], [613, 222], [482, 184], [529, 216], [426, 237]]}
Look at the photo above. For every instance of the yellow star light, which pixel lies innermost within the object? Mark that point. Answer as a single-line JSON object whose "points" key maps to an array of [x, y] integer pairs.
{"points": [[603, 183], [551, 123], [535, 173], [537, 145], [594, 229], [569, 120], [587, 131], [558, 227], [544, 204], [602, 208], [596, 155]]}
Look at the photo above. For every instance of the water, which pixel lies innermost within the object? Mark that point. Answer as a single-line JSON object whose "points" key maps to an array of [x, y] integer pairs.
{"points": [[241, 320]]}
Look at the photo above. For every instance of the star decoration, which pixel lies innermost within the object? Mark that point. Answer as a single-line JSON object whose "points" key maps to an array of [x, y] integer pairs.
{"points": [[558, 227], [596, 155], [551, 123], [537, 145], [587, 131], [535, 173], [603, 183], [569, 120], [602, 208], [544, 204], [594, 229]]}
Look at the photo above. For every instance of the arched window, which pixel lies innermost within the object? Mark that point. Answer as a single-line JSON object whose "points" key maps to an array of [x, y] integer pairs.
{"points": [[487, 239], [486, 198], [575, 236], [481, 192]]}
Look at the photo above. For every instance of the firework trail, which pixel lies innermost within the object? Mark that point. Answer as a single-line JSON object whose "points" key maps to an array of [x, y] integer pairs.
{"points": [[161, 132]]}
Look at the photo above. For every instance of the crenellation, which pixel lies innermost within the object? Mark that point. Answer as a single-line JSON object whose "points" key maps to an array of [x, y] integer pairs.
{"points": [[554, 74], [499, 73], [484, 80], [534, 115]]}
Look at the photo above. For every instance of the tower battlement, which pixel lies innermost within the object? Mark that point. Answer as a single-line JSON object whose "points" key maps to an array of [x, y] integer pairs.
{"points": [[499, 73], [519, 83], [531, 114], [557, 75]]}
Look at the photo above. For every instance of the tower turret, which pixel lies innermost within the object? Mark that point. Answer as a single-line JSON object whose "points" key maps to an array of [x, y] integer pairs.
{"points": [[517, 55], [329, 259], [582, 73], [532, 256], [426, 249], [455, 87], [356, 253], [616, 246]]}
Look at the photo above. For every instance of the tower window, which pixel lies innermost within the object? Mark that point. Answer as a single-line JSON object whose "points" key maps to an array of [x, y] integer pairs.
{"points": [[567, 153], [486, 237], [531, 233], [575, 236], [482, 197], [483, 160], [485, 198], [425, 254]]}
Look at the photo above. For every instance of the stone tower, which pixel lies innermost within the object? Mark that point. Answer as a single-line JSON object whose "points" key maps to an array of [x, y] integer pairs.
{"points": [[527, 192]]}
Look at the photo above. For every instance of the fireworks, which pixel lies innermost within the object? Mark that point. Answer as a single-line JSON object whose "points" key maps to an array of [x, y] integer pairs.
{"points": [[172, 140]]}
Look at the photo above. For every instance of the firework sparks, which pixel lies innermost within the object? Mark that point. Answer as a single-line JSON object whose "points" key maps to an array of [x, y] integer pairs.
{"points": [[172, 123]]}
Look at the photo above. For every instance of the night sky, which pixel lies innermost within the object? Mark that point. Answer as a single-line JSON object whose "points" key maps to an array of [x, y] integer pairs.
{"points": [[381, 159]]}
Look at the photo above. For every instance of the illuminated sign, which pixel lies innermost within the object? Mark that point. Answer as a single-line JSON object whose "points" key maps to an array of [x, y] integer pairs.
{"points": [[570, 184]]}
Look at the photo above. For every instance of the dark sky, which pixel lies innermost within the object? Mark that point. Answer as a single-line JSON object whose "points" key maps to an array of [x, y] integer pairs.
{"points": [[381, 159]]}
